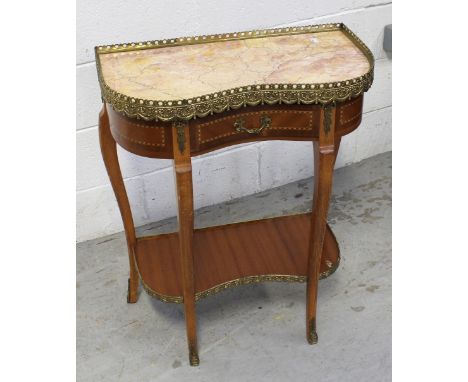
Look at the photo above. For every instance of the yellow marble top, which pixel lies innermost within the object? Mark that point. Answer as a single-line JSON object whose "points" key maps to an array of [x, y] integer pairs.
{"points": [[188, 71], [184, 71]]}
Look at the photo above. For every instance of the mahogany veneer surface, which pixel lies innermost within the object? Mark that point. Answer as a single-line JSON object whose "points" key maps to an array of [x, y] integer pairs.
{"points": [[276, 246]]}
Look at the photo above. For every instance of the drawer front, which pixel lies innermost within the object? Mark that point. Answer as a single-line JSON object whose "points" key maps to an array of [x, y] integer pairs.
{"points": [[255, 125]]}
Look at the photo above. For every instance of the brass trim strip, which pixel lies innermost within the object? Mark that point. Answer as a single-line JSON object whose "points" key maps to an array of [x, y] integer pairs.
{"points": [[241, 281], [203, 105], [162, 297]]}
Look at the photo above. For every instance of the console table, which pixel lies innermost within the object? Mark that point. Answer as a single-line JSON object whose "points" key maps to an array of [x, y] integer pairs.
{"points": [[182, 97]]}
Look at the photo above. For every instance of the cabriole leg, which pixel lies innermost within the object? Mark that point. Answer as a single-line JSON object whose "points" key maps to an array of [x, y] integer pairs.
{"points": [[111, 161], [183, 175], [325, 151]]}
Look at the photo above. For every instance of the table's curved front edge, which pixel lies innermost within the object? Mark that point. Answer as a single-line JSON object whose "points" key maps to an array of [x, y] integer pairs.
{"points": [[238, 97], [287, 122]]}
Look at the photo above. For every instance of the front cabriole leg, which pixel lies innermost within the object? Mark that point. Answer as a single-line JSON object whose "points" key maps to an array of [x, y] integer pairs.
{"points": [[325, 151], [183, 175], [111, 161]]}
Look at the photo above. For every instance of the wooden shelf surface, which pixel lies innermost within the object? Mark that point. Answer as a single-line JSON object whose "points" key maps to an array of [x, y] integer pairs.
{"points": [[274, 249]]}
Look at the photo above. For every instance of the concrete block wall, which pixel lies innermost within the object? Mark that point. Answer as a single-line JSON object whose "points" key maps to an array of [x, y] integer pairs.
{"points": [[228, 173]]}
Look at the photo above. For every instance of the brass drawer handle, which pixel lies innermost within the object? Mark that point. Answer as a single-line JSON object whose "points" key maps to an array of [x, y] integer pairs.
{"points": [[265, 122]]}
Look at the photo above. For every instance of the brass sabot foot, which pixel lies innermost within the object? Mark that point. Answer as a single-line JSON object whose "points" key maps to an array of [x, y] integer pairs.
{"points": [[312, 337], [131, 299], [194, 360]]}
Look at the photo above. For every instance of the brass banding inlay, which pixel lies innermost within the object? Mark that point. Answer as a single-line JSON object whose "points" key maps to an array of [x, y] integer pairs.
{"points": [[237, 282]]}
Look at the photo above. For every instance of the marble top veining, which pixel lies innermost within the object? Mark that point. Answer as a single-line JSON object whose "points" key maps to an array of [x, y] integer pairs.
{"points": [[187, 71]]}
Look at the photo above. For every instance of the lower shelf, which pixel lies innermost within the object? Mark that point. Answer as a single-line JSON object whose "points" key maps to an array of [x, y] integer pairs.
{"points": [[273, 249]]}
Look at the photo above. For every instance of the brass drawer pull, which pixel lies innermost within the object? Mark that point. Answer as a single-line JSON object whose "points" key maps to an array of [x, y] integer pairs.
{"points": [[265, 122]]}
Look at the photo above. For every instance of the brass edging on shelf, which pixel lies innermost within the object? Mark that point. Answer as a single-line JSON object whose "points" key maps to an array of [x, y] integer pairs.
{"points": [[162, 297], [203, 105], [152, 293], [241, 281]]}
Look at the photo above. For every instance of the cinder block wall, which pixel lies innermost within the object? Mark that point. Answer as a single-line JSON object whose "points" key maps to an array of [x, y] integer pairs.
{"points": [[224, 174]]}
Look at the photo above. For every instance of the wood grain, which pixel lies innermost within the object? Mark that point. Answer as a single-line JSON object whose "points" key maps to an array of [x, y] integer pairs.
{"points": [[276, 246]]}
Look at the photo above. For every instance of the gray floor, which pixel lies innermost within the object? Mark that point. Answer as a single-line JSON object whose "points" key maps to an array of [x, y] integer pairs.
{"points": [[253, 332]]}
